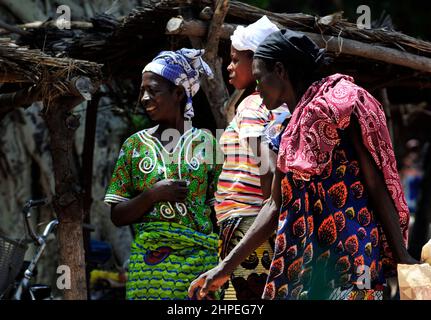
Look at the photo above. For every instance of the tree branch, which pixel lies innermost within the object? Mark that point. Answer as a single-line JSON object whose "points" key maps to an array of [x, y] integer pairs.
{"points": [[337, 45], [214, 31], [48, 24], [13, 29], [341, 45], [196, 28], [215, 89], [21, 98]]}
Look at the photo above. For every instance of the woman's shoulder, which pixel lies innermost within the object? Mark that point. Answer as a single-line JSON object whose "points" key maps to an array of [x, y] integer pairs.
{"points": [[252, 102], [139, 135], [204, 134]]}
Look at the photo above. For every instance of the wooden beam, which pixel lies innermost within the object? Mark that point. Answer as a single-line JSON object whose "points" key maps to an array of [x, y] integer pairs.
{"points": [[21, 98], [340, 45], [43, 24], [13, 29], [214, 29], [196, 28], [337, 45], [7, 77]]}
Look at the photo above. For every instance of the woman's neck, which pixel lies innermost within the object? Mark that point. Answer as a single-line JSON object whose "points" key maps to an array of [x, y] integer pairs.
{"points": [[177, 123], [291, 98]]}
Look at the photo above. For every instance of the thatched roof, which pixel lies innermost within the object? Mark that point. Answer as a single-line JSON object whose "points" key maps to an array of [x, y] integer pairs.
{"points": [[21, 64], [389, 58]]}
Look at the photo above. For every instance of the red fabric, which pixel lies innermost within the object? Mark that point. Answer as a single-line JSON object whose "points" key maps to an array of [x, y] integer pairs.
{"points": [[311, 135]]}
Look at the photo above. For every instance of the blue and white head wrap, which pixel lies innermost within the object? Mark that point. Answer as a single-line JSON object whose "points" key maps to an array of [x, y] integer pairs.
{"points": [[182, 67]]}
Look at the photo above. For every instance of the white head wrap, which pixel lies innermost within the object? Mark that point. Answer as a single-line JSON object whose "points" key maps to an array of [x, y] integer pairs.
{"points": [[249, 38]]}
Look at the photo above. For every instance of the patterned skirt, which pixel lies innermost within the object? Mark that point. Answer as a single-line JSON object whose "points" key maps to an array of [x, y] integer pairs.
{"points": [[328, 243], [248, 280], [166, 258]]}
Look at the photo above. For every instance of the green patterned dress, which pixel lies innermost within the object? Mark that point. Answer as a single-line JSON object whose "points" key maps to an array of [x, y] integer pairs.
{"points": [[175, 242]]}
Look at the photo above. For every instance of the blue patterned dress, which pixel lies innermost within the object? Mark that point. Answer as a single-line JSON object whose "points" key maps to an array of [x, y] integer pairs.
{"points": [[327, 244]]}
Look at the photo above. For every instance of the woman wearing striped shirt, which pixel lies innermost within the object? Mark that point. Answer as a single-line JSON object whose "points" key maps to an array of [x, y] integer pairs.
{"points": [[243, 184]]}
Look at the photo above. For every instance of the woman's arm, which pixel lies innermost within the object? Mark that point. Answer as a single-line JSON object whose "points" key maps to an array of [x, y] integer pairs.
{"points": [[268, 160], [267, 169], [379, 196], [131, 211], [262, 228]]}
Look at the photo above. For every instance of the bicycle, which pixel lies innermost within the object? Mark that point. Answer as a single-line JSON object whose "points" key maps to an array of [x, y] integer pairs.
{"points": [[14, 282]]}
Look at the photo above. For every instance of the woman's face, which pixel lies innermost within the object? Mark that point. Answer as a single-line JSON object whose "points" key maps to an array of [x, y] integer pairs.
{"points": [[269, 84], [160, 102], [240, 75]]}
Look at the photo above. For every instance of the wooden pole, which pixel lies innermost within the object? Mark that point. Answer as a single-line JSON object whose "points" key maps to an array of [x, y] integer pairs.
{"points": [[87, 176], [215, 89], [67, 201], [337, 45]]}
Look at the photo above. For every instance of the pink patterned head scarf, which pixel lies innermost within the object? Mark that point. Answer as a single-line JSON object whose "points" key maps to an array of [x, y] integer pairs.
{"points": [[311, 135]]}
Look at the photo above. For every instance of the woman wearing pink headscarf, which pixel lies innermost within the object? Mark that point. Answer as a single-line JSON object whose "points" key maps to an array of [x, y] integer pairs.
{"points": [[337, 202]]}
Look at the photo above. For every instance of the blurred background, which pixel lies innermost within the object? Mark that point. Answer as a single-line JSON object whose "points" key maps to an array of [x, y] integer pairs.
{"points": [[25, 153]]}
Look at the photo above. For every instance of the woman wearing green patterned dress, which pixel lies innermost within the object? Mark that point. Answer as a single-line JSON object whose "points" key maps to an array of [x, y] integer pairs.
{"points": [[165, 187]]}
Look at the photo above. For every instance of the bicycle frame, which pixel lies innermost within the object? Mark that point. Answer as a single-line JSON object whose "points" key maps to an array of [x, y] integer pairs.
{"points": [[40, 242]]}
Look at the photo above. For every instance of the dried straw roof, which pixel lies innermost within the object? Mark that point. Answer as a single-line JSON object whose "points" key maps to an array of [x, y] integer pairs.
{"points": [[21, 64], [127, 45]]}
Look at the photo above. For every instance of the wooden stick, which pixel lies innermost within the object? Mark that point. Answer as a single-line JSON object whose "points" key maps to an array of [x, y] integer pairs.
{"points": [[24, 97], [195, 28], [13, 29], [338, 45], [341, 45], [215, 88], [45, 24], [214, 31]]}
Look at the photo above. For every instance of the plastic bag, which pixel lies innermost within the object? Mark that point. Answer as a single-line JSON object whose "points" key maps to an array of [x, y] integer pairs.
{"points": [[414, 280], [426, 253]]}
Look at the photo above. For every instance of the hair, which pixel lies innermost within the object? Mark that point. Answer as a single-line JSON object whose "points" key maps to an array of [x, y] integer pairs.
{"points": [[249, 53], [299, 54], [300, 76]]}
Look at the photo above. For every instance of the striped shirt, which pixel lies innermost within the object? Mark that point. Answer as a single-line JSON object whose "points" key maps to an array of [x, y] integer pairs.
{"points": [[239, 191]]}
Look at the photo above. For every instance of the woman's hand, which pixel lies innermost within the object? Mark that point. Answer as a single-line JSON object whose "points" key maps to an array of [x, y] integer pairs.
{"points": [[209, 281], [170, 190], [408, 259]]}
